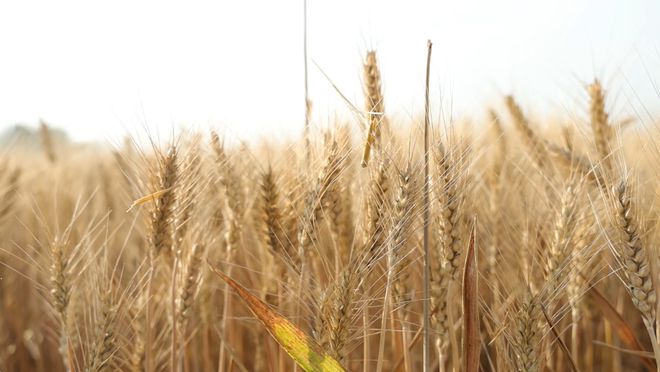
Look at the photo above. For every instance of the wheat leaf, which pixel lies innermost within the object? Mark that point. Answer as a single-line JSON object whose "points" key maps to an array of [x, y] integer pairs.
{"points": [[302, 348]]}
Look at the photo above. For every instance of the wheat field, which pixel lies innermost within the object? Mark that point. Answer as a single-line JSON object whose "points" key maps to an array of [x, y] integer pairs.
{"points": [[202, 253]]}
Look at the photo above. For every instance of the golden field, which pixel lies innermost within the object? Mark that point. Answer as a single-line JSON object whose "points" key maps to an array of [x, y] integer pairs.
{"points": [[200, 253]]}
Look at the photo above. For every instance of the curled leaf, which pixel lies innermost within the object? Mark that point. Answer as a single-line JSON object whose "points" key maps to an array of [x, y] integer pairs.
{"points": [[148, 198]]}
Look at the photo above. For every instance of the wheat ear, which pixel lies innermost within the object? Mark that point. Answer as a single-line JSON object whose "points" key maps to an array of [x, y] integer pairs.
{"points": [[602, 131], [315, 199], [635, 260], [396, 285], [373, 104], [528, 334], [449, 196], [535, 144], [163, 212]]}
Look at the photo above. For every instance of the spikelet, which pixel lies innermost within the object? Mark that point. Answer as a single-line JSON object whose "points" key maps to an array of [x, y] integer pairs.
{"points": [[535, 144], [500, 150], [271, 215], [315, 199], [162, 214], [189, 287], [633, 255], [228, 178], [578, 163], [495, 200], [583, 240], [346, 217], [186, 193], [291, 213], [373, 105], [439, 313], [233, 188], [59, 279], [376, 206], [603, 132], [399, 252], [60, 284], [447, 249], [9, 196], [450, 199], [104, 346], [527, 335], [136, 357], [338, 311], [560, 247]]}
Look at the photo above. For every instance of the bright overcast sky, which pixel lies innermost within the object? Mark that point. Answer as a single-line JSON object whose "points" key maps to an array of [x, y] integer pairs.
{"points": [[100, 69]]}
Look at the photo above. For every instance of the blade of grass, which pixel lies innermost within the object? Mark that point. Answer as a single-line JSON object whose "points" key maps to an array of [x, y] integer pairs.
{"points": [[471, 334], [643, 354], [302, 348], [625, 332], [562, 345]]}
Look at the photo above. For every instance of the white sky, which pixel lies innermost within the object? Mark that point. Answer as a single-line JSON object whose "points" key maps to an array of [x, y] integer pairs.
{"points": [[100, 69]]}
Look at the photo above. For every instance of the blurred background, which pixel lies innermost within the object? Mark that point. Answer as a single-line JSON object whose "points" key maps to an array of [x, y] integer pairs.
{"points": [[100, 70]]}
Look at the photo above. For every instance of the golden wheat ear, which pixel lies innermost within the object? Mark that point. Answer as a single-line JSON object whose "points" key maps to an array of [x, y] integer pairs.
{"points": [[536, 145], [301, 347], [602, 130], [373, 105]]}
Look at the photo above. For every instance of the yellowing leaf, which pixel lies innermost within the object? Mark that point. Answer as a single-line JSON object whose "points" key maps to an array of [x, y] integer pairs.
{"points": [[371, 138], [147, 198], [303, 349]]}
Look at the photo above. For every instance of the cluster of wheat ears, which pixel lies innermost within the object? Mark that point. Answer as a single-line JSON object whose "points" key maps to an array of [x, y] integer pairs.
{"points": [[198, 255]]}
